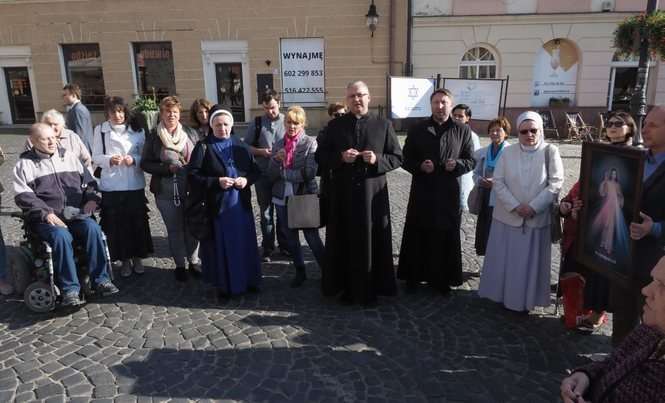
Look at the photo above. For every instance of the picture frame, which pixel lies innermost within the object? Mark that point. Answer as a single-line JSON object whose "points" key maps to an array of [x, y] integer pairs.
{"points": [[611, 192]]}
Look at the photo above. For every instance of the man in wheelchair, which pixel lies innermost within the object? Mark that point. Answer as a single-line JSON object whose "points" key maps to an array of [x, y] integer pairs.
{"points": [[50, 186]]}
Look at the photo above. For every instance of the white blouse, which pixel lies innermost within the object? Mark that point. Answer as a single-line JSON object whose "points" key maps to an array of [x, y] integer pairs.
{"points": [[119, 140]]}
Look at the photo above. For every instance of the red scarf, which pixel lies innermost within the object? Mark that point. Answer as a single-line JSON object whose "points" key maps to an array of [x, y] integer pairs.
{"points": [[290, 148]]}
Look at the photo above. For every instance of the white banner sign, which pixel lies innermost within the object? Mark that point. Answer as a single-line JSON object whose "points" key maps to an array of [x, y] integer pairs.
{"points": [[555, 73], [303, 70], [409, 97], [482, 96]]}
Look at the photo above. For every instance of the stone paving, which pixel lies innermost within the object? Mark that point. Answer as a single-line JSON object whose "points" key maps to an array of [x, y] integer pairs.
{"points": [[162, 341]]}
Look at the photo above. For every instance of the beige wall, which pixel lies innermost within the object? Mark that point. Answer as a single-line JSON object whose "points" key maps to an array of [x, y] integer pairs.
{"points": [[440, 42], [498, 7], [350, 52]]}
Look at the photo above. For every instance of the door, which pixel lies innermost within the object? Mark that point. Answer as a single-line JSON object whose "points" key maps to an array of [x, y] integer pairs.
{"points": [[622, 85], [230, 88], [20, 95]]}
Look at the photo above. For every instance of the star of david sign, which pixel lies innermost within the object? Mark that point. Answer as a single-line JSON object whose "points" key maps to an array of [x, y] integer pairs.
{"points": [[413, 92]]}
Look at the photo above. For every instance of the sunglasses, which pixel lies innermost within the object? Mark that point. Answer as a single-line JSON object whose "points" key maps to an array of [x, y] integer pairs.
{"points": [[616, 123], [527, 131], [338, 114]]}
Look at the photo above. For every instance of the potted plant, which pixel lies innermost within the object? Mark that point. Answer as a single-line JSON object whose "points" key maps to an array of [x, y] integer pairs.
{"points": [[147, 106], [627, 34]]}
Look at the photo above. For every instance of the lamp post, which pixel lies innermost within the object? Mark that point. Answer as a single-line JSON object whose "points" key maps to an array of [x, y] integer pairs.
{"points": [[372, 18], [639, 101]]}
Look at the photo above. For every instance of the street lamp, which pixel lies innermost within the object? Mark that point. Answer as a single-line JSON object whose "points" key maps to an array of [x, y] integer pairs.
{"points": [[639, 102], [372, 18]]}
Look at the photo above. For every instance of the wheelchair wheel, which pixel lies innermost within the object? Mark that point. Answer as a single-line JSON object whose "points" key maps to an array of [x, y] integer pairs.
{"points": [[39, 297], [20, 268]]}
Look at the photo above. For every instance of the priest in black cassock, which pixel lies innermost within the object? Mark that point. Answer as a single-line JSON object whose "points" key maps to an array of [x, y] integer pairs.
{"points": [[437, 151], [359, 149]]}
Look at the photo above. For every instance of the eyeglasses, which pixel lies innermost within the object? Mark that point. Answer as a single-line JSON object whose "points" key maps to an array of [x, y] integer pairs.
{"points": [[338, 114], [616, 123], [527, 131]]}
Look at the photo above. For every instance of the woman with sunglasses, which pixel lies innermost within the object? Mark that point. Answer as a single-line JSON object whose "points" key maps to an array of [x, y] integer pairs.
{"points": [[527, 178], [585, 292]]}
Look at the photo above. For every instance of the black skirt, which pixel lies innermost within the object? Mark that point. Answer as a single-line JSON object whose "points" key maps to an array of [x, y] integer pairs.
{"points": [[124, 219]]}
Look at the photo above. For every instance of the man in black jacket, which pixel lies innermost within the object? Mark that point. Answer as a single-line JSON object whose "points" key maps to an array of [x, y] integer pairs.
{"points": [[359, 149], [436, 153], [649, 233]]}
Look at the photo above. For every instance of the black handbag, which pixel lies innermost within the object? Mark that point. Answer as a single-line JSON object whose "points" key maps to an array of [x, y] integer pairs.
{"points": [[98, 171]]}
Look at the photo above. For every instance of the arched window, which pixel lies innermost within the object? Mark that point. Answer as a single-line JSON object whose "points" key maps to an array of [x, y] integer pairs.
{"points": [[478, 62]]}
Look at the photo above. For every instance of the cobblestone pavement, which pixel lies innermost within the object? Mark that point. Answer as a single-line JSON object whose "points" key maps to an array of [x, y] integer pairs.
{"points": [[162, 341]]}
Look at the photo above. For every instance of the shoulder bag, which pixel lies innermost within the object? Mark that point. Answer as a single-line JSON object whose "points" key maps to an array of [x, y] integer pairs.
{"points": [[303, 210]]}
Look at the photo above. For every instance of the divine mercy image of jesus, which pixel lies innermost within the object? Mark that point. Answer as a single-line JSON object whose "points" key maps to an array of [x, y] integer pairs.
{"points": [[609, 226]]}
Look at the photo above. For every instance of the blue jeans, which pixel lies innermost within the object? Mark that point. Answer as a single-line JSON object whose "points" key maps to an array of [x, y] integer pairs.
{"points": [[293, 239], [89, 233], [263, 189]]}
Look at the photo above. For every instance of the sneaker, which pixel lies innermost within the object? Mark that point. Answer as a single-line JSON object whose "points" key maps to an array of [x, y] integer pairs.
{"points": [[106, 289], [126, 269], [6, 288], [138, 265], [71, 299]]}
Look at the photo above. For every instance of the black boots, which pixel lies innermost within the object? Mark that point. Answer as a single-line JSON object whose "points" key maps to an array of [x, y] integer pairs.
{"points": [[180, 274], [300, 277]]}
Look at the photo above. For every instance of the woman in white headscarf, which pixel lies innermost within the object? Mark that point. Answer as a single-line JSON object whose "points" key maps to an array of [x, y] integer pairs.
{"points": [[516, 270]]}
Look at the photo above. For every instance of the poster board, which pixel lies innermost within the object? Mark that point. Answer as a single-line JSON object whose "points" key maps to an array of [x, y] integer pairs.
{"points": [[409, 97], [555, 73], [303, 70], [482, 95]]}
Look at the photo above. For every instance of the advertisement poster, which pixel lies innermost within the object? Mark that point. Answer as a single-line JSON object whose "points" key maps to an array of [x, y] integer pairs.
{"points": [[303, 70], [409, 97], [483, 96], [555, 73]]}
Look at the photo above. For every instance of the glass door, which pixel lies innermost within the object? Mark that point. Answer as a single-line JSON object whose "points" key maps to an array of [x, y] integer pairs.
{"points": [[20, 95], [230, 89]]}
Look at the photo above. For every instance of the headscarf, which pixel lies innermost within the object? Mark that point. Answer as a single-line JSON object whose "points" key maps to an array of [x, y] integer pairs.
{"points": [[538, 120], [215, 111]]}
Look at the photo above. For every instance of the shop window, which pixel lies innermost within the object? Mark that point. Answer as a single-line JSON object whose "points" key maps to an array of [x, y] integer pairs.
{"points": [[478, 62], [153, 68], [83, 66]]}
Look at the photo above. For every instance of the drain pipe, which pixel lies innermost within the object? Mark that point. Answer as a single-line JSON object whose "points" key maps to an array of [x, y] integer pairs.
{"points": [[408, 67]]}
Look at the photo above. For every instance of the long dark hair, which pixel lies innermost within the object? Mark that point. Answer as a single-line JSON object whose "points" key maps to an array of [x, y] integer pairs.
{"points": [[134, 120]]}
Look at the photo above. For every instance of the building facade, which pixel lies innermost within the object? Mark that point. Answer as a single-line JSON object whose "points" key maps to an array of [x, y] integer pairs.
{"points": [[557, 54], [226, 51]]}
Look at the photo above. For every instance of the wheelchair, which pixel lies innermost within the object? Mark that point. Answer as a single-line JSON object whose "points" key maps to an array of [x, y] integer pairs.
{"points": [[31, 267]]}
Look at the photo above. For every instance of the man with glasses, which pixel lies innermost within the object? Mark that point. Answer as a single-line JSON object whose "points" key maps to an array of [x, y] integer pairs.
{"points": [[462, 114], [359, 149], [262, 133], [437, 152]]}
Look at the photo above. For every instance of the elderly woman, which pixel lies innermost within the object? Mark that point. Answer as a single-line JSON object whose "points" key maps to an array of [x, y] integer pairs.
{"points": [[587, 313], [486, 160], [198, 116], [527, 178], [293, 170], [635, 371], [166, 153], [222, 170], [116, 151], [67, 139]]}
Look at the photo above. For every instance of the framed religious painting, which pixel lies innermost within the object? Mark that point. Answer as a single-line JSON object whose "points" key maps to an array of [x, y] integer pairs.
{"points": [[611, 190]]}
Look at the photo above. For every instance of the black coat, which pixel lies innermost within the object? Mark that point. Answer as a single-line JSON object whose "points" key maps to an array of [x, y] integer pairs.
{"points": [[359, 234], [431, 248], [434, 198], [205, 170], [649, 250]]}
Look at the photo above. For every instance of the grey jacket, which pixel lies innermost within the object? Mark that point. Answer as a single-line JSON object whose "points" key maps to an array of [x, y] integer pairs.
{"points": [[301, 174], [79, 121]]}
